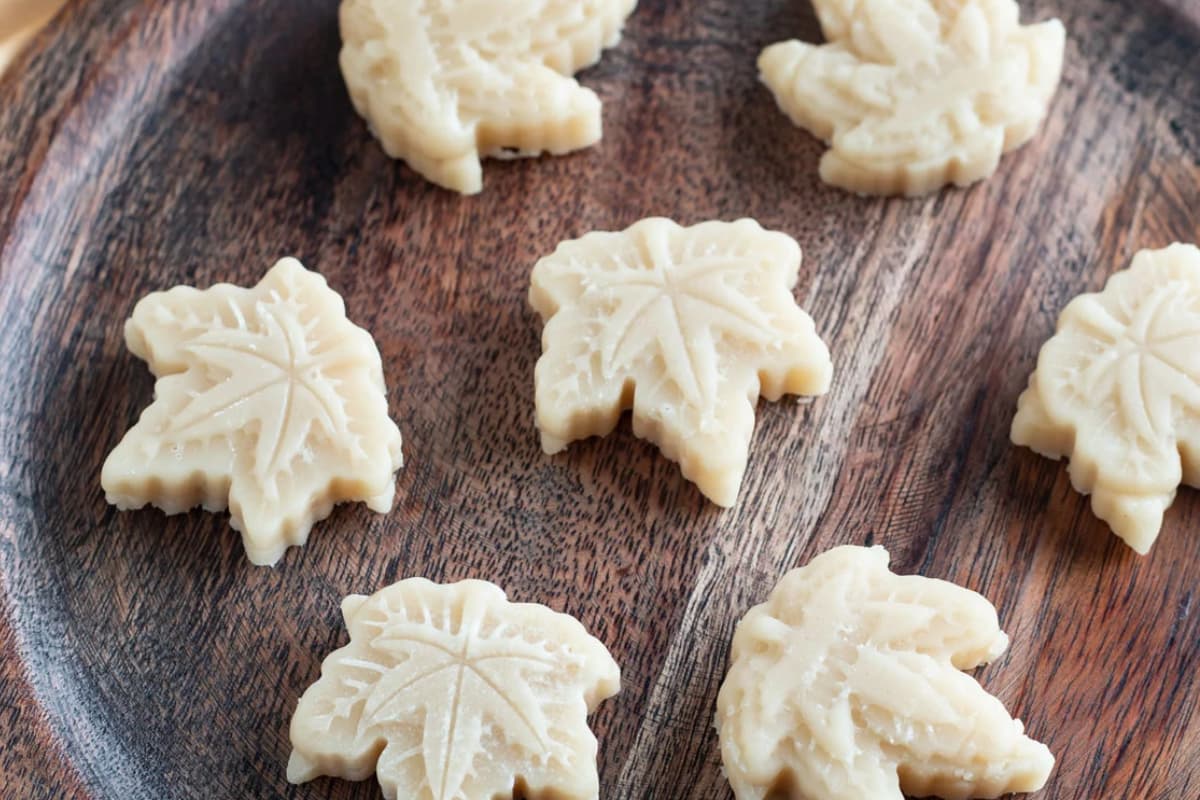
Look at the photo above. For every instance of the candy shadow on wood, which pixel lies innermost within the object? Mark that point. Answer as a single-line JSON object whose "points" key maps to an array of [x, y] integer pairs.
{"points": [[764, 147], [1042, 489]]}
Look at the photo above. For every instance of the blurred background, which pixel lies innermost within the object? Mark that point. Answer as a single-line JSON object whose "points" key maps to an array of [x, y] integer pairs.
{"points": [[19, 21]]}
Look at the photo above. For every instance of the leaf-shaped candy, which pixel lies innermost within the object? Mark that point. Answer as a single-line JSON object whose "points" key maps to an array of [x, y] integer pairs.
{"points": [[913, 94], [268, 402], [443, 83], [1117, 391], [687, 327], [451, 692], [845, 685]]}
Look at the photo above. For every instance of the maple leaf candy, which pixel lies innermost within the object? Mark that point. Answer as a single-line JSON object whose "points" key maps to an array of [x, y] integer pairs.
{"points": [[686, 327], [444, 83], [268, 402], [911, 95], [1117, 392], [846, 684], [451, 692]]}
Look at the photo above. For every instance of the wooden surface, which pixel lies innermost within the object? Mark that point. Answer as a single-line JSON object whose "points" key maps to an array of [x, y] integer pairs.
{"points": [[145, 144]]}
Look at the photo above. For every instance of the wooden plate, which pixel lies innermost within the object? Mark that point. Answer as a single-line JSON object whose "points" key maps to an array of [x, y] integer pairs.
{"points": [[147, 144]]}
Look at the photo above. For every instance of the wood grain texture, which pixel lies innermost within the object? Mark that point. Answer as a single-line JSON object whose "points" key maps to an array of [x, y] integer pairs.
{"points": [[145, 144]]}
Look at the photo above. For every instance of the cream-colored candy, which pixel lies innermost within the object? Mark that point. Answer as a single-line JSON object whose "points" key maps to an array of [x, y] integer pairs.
{"points": [[268, 402], [846, 685], [687, 327], [444, 83], [450, 692], [1117, 391], [911, 95]]}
